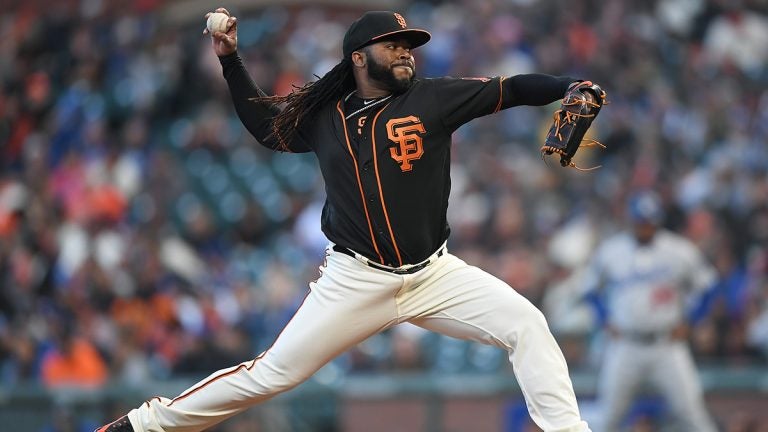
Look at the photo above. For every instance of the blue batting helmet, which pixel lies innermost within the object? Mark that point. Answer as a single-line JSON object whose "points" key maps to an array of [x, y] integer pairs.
{"points": [[645, 207]]}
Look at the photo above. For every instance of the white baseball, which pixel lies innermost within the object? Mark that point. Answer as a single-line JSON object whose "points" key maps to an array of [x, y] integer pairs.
{"points": [[217, 21]]}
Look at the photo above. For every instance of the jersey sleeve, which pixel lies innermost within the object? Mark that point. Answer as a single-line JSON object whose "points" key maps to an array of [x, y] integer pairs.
{"points": [[534, 89], [256, 116], [459, 100]]}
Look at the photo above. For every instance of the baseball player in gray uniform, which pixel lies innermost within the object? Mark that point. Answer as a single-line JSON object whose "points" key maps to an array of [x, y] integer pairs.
{"points": [[646, 277], [383, 140]]}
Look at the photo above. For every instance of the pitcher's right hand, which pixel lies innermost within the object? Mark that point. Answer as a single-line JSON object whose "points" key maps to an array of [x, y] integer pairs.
{"points": [[224, 43]]}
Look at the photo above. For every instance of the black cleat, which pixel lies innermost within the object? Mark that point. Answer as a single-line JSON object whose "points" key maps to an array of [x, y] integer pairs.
{"points": [[120, 425]]}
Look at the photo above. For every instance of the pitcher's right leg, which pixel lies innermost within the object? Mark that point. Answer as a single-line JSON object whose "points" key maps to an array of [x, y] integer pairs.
{"points": [[344, 307]]}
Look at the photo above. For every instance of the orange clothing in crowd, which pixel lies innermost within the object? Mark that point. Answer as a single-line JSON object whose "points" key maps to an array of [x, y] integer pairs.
{"points": [[81, 367]]}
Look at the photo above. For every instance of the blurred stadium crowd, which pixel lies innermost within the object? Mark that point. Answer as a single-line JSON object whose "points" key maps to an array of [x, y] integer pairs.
{"points": [[144, 235]]}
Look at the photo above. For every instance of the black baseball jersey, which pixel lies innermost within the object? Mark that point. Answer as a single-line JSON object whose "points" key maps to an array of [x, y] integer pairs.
{"points": [[386, 162]]}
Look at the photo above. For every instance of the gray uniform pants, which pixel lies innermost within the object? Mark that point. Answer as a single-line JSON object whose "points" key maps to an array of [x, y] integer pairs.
{"points": [[666, 366]]}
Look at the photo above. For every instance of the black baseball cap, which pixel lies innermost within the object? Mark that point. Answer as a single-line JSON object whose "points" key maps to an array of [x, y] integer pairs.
{"points": [[377, 25]]}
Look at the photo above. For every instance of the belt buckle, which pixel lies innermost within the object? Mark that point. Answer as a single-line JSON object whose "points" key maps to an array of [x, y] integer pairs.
{"points": [[411, 270], [421, 266]]}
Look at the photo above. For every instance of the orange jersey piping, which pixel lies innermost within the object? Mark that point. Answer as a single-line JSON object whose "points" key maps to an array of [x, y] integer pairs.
{"points": [[378, 182], [241, 366], [501, 95], [359, 183]]}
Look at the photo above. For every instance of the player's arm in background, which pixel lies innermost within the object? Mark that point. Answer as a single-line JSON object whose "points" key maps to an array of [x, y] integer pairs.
{"points": [[593, 284], [701, 282], [256, 116]]}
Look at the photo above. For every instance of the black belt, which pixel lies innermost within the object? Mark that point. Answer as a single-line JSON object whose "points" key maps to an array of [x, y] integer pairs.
{"points": [[645, 338], [395, 270]]}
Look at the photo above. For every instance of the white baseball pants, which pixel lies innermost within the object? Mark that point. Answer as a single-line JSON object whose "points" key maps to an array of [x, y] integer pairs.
{"points": [[352, 301], [665, 365]]}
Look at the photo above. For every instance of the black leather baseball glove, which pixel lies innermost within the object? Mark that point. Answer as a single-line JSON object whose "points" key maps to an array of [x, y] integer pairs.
{"points": [[578, 110]]}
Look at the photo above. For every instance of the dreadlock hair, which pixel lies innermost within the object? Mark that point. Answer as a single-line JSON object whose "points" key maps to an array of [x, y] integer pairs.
{"points": [[304, 101]]}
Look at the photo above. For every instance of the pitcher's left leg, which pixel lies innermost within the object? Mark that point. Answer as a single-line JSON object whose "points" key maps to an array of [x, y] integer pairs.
{"points": [[455, 299]]}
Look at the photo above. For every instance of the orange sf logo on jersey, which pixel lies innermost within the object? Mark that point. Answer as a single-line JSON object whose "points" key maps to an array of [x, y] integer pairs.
{"points": [[406, 132]]}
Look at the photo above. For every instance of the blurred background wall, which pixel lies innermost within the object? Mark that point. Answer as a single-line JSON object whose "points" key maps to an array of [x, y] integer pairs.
{"points": [[146, 240]]}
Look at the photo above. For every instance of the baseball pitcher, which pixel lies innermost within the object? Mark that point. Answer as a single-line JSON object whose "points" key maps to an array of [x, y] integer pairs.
{"points": [[382, 138], [647, 277]]}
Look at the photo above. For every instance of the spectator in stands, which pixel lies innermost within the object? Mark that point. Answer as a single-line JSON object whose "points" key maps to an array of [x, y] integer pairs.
{"points": [[72, 362]]}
